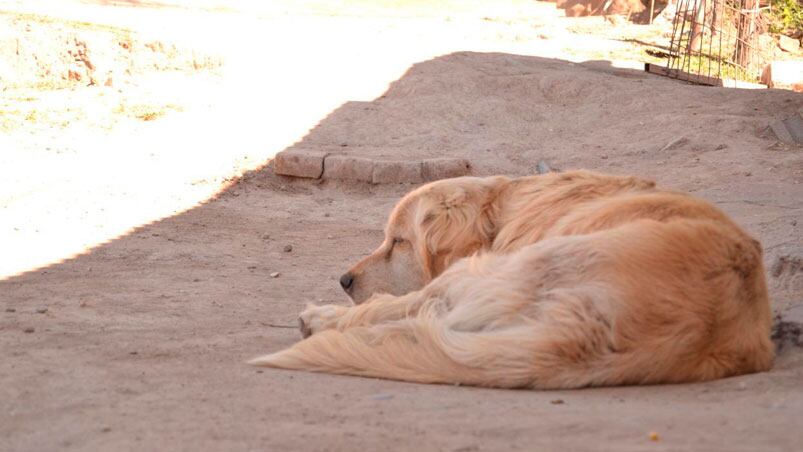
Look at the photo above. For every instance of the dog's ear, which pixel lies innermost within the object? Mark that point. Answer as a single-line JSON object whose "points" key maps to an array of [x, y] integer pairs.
{"points": [[455, 218]]}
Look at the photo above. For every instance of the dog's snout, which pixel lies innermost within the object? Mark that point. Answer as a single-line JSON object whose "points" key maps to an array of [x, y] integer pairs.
{"points": [[346, 281]]}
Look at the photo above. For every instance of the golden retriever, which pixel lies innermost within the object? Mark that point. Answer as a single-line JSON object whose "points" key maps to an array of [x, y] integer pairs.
{"points": [[553, 281]]}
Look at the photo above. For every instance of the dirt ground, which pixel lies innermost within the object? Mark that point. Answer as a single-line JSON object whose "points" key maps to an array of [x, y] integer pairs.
{"points": [[136, 253]]}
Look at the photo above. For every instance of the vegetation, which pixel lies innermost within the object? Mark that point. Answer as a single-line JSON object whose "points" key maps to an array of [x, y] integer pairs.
{"points": [[786, 16]]}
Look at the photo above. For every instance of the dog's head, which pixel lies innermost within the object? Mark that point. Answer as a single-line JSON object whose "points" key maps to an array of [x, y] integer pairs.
{"points": [[429, 229]]}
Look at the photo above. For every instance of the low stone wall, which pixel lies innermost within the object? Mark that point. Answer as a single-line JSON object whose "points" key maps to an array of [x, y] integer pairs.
{"points": [[316, 164]]}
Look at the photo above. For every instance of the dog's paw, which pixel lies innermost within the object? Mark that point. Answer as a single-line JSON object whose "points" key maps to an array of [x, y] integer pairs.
{"points": [[315, 319]]}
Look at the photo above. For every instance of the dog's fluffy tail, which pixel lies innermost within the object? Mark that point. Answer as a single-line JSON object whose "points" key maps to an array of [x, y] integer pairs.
{"points": [[413, 350], [429, 349]]}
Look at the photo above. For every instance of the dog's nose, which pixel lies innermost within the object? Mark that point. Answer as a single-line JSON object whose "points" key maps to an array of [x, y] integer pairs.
{"points": [[346, 281]]}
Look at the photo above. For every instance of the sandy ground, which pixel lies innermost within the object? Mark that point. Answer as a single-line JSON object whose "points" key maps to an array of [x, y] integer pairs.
{"points": [[136, 274]]}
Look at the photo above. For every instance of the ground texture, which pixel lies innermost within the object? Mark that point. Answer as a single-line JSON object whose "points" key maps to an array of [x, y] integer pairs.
{"points": [[138, 253]]}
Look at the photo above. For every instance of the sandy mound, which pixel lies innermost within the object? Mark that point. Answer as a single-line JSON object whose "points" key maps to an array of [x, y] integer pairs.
{"points": [[39, 52]]}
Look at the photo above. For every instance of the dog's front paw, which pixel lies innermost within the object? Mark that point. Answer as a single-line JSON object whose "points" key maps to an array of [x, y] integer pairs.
{"points": [[315, 319]]}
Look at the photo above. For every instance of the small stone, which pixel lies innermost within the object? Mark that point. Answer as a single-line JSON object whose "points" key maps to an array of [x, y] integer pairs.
{"points": [[106, 429], [288, 248], [654, 436], [326, 215], [41, 310], [674, 144], [793, 223], [543, 167], [133, 352], [11, 310], [604, 157], [748, 174], [383, 396], [274, 275], [259, 371], [557, 402], [266, 237], [29, 329]]}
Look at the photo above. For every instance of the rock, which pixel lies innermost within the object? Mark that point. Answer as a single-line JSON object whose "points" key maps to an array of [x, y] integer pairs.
{"points": [[11, 310], [274, 275], [397, 172], [29, 329], [444, 168], [41, 310], [543, 167], [674, 144], [788, 44], [343, 167], [782, 132], [767, 41], [786, 74], [557, 402], [288, 248], [300, 163]]}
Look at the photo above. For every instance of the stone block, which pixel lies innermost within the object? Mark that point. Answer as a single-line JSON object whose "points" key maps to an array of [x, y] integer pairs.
{"points": [[344, 167], [396, 172], [444, 168], [300, 163]]}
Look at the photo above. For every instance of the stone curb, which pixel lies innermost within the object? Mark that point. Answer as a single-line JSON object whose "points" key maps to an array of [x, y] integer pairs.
{"points": [[314, 164], [300, 163]]}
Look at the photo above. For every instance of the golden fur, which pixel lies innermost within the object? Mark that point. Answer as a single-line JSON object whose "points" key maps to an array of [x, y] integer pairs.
{"points": [[554, 281]]}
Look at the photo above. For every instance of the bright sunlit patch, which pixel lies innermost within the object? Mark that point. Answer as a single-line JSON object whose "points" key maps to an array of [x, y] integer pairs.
{"points": [[81, 167]]}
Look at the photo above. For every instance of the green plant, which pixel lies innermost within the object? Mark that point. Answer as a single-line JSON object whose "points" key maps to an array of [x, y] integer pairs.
{"points": [[786, 16]]}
